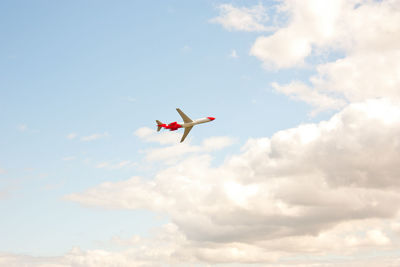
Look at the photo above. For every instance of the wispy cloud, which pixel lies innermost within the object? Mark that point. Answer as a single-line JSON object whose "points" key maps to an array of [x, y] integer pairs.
{"points": [[187, 49], [175, 150], [131, 99], [53, 186], [22, 127], [68, 158], [88, 138], [3, 194], [116, 165], [93, 137], [150, 135], [72, 136], [242, 18], [233, 54]]}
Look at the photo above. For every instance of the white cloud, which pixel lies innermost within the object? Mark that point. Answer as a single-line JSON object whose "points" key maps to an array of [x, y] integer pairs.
{"points": [[131, 99], [187, 49], [71, 136], [116, 165], [151, 135], [217, 143], [371, 27], [4, 194], [311, 23], [377, 237], [22, 127], [242, 19], [320, 100], [94, 137], [147, 255], [171, 154], [328, 188], [361, 76], [366, 32], [68, 158], [233, 54], [176, 150], [355, 78], [280, 50]]}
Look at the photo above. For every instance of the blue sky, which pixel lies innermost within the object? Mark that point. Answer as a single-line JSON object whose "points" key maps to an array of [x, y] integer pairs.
{"points": [[78, 79], [92, 67]]}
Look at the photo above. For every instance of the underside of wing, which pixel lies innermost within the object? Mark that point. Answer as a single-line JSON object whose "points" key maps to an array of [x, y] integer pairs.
{"points": [[187, 130], [185, 118]]}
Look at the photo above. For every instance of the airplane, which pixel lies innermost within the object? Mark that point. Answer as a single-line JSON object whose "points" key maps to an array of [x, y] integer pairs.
{"points": [[187, 123]]}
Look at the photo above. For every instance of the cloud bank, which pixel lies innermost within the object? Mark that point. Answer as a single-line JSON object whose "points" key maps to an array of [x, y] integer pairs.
{"points": [[322, 194], [306, 189], [366, 32]]}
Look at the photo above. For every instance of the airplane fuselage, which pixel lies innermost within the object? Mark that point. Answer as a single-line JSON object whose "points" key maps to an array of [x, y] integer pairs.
{"points": [[173, 126]]}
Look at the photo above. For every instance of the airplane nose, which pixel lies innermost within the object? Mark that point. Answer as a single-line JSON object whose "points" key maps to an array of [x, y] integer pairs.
{"points": [[211, 118]]}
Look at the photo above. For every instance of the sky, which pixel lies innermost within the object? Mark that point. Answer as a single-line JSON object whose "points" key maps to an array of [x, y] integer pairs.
{"points": [[300, 167]]}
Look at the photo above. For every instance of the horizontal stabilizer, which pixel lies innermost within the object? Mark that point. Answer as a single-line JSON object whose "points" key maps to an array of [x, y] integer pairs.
{"points": [[159, 123]]}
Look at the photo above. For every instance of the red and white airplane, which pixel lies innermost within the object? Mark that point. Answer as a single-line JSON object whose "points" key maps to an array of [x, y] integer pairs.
{"points": [[187, 123]]}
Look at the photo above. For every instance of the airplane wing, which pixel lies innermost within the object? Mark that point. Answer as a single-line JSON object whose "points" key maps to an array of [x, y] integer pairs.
{"points": [[185, 118], [187, 130]]}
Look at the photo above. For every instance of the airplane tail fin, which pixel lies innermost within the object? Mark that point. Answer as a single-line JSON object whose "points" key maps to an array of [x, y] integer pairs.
{"points": [[159, 123]]}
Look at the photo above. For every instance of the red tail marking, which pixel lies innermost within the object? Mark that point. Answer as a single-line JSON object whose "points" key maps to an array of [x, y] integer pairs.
{"points": [[173, 126]]}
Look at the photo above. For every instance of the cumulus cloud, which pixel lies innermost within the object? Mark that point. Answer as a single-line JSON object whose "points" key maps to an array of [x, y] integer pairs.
{"points": [[319, 100], [311, 23], [355, 78], [361, 76], [242, 19], [312, 185], [365, 32]]}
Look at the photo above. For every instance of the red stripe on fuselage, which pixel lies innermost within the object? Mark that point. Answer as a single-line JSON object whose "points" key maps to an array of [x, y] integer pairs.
{"points": [[173, 126]]}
